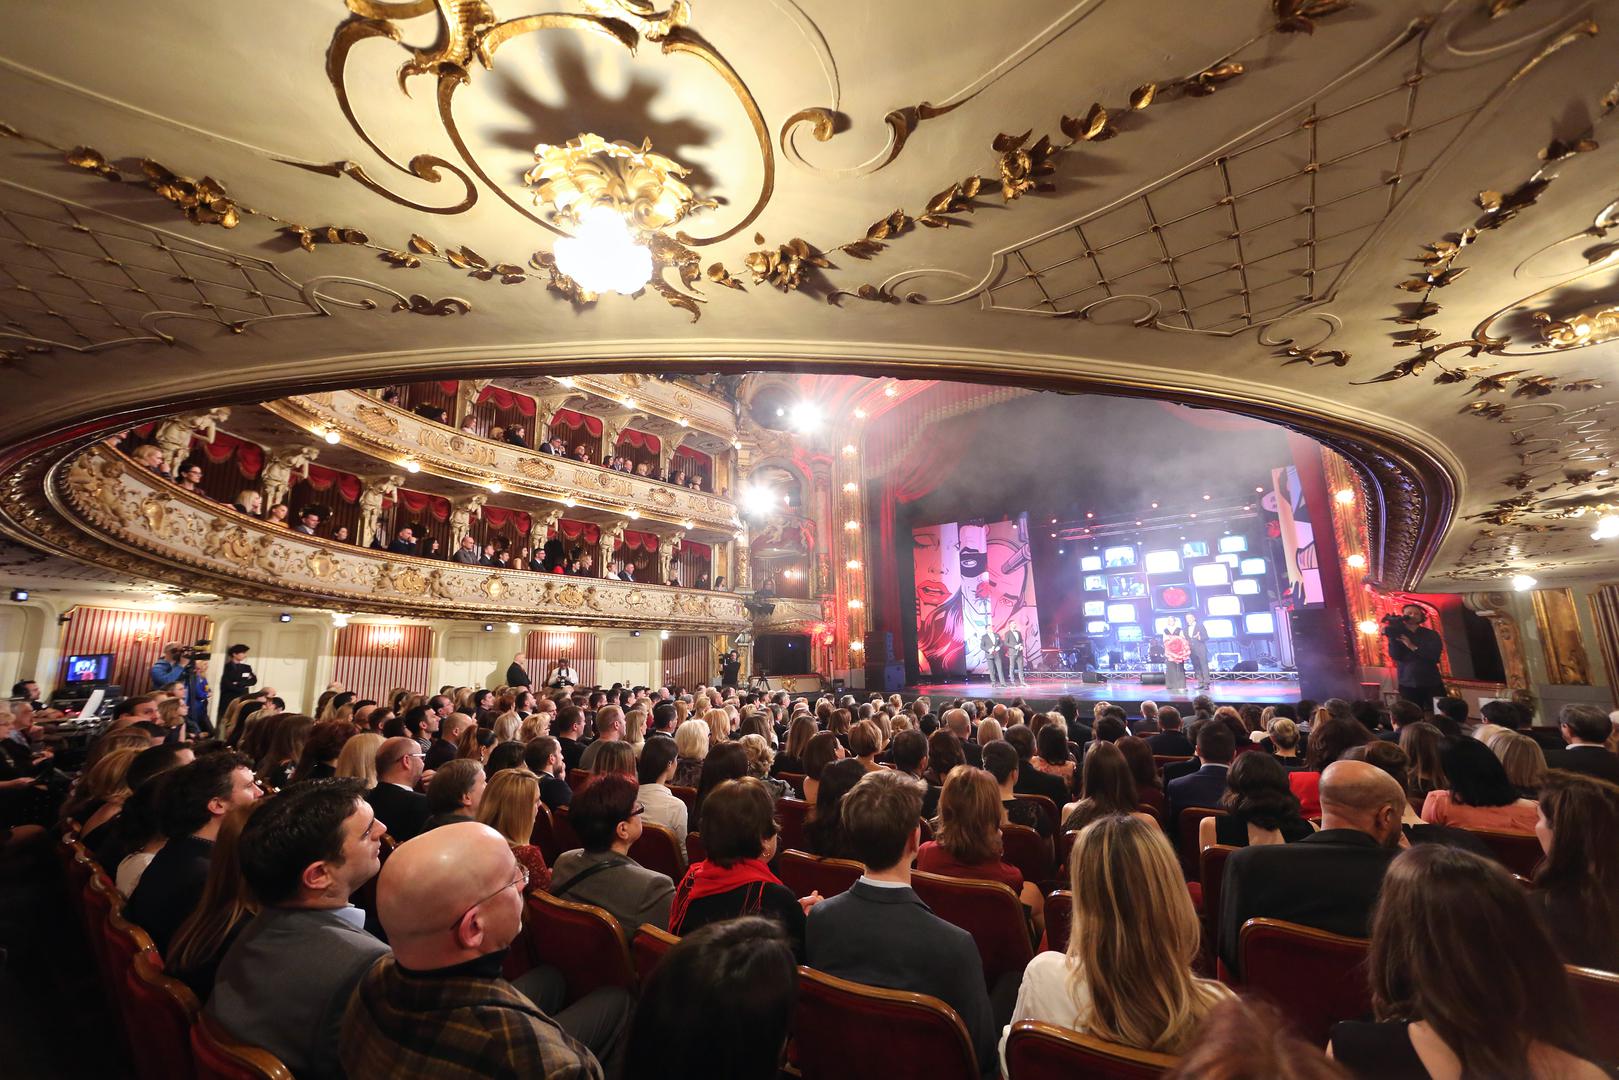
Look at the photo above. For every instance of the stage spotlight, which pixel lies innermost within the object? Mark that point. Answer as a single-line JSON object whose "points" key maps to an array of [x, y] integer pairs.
{"points": [[285, 617], [19, 595], [1522, 582], [806, 417], [1368, 627], [1062, 551], [757, 501], [1206, 498], [1357, 561], [1344, 495]]}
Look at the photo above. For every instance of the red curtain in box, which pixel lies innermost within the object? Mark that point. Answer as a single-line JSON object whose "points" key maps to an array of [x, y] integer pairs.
{"points": [[229, 465], [579, 532], [370, 670], [337, 492], [439, 394], [508, 400], [694, 560], [688, 659], [640, 447], [503, 527], [135, 638], [546, 647], [428, 513], [506, 410], [576, 429], [693, 463], [640, 550]]}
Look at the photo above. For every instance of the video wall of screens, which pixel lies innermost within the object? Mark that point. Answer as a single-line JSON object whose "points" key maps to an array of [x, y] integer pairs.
{"points": [[1133, 593]]}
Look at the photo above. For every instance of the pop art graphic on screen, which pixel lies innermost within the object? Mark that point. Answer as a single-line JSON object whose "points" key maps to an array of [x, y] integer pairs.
{"points": [[972, 578]]}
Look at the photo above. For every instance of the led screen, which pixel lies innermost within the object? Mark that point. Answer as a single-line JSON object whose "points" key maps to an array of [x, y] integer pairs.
{"points": [[1121, 613], [1228, 559], [1224, 605], [1091, 562], [1096, 628], [1260, 622], [1129, 633], [1233, 543], [1253, 566], [1245, 587], [1220, 628], [1094, 607], [1094, 583], [1126, 586], [1194, 549], [1211, 574], [1118, 556], [971, 578], [1162, 562], [1173, 598]]}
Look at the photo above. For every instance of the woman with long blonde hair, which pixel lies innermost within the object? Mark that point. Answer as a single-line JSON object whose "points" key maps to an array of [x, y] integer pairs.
{"points": [[510, 803], [358, 758], [1127, 975], [719, 726], [221, 912], [508, 725]]}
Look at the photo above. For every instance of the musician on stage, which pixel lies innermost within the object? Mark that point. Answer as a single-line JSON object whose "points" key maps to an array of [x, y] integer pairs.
{"points": [[1013, 639], [562, 676], [1198, 640], [995, 654], [1176, 652]]}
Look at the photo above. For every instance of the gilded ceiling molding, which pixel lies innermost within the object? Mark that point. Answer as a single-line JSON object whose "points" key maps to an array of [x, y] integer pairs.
{"points": [[96, 507]]}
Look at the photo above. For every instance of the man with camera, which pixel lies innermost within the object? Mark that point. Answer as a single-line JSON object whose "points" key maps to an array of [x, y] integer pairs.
{"points": [[1415, 650], [179, 665]]}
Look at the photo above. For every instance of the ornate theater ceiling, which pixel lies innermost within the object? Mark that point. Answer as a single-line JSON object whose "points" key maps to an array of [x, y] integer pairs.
{"points": [[1388, 224]]}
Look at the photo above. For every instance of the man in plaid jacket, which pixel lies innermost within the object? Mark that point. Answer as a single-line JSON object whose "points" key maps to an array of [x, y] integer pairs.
{"points": [[451, 901]]}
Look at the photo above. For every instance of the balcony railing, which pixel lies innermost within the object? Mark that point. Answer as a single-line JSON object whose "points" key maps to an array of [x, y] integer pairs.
{"points": [[213, 546], [397, 436]]}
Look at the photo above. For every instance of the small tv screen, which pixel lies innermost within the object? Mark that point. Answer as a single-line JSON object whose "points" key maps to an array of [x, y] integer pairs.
{"points": [[1174, 598], [1219, 628], [1245, 587], [91, 668], [1129, 633], [1091, 562], [1228, 559], [1126, 586], [1260, 622], [1211, 574], [1094, 583], [1252, 566], [1096, 628], [1162, 562], [1194, 549], [1225, 605], [1233, 543], [1121, 613], [1118, 556], [1095, 609]]}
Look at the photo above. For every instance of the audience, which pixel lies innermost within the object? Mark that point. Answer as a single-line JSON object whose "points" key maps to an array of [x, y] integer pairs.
{"points": [[1421, 741], [1260, 807], [691, 745], [1144, 769], [397, 802], [454, 793], [819, 752], [1206, 786], [1480, 795], [509, 805], [544, 759], [287, 979], [607, 817], [225, 907], [880, 933], [655, 771], [1448, 924], [1106, 787], [1030, 780], [1587, 730], [1170, 740], [1284, 742], [967, 837], [451, 902], [1522, 759], [1127, 975], [1251, 1040], [1391, 759], [1001, 762], [1577, 885], [823, 829]]}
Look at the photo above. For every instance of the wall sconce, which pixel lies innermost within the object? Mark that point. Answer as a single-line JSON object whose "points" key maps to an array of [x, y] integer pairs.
{"points": [[1358, 562], [851, 487], [856, 605], [857, 646], [388, 638], [852, 564], [143, 629], [332, 436], [1368, 627], [851, 525]]}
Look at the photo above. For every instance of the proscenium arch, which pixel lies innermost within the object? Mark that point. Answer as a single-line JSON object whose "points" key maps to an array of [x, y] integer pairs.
{"points": [[1411, 483]]}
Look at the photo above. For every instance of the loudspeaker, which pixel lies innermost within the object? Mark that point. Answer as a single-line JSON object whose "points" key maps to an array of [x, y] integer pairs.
{"points": [[1091, 676], [885, 678], [1247, 665], [1115, 658], [1152, 678], [1322, 654], [879, 647]]}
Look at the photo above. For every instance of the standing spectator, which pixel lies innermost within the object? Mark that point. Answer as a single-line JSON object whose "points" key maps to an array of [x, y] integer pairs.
{"points": [[1415, 650], [238, 678]]}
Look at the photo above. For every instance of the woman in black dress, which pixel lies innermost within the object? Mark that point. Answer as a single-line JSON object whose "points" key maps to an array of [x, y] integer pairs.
{"points": [[1260, 807]]}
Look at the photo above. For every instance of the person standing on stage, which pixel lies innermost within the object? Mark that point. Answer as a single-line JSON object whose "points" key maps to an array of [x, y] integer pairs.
{"points": [[1197, 639], [1176, 652], [1415, 650], [1013, 639], [994, 654]]}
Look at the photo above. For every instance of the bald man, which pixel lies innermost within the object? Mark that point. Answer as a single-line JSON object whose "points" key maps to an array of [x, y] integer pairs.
{"points": [[959, 723], [451, 902], [1329, 879]]}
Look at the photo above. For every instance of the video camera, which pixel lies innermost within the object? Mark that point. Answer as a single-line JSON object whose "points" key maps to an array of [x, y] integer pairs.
{"points": [[197, 650]]}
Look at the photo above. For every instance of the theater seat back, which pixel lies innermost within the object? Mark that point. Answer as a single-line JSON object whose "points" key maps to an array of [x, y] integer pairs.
{"points": [[217, 1056], [1315, 978], [160, 1012], [1027, 850], [846, 1031], [791, 815], [1040, 1051], [583, 941], [648, 948], [1518, 852], [805, 873], [987, 910], [658, 849], [1598, 992], [1186, 836], [1059, 920]]}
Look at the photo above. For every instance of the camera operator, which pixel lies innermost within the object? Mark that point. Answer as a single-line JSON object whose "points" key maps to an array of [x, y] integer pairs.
{"points": [[1415, 650], [179, 665]]}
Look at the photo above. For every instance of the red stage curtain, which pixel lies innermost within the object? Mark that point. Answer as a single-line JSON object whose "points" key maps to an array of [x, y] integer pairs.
{"points": [[569, 419]]}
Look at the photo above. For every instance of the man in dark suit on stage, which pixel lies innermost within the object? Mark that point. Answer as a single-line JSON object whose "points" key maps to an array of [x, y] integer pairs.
{"points": [[1586, 729], [994, 656], [1012, 666], [1329, 879], [1215, 747], [1197, 639]]}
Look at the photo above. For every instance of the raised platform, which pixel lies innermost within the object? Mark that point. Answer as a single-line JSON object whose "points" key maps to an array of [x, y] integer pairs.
{"points": [[1123, 691]]}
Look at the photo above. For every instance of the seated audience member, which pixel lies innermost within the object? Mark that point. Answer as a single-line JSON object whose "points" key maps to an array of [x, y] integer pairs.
{"points": [[544, 759], [451, 902], [1586, 729], [509, 805], [1577, 885], [1249, 1039], [1329, 879], [678, 1034], [725, 761], [1449, 922], [196, 799], [122, 838], [287, 979], [738, 827], [880, 933], [865, 743], [1170, 740], [568, 726], [397, 802], [1138, 755], [326, 741], [446, 744], [358, 758], [958, 723], [1127, 975], [967, 837], [610, 728], [615, 757], [1284, 741], [1030, 780], [454, 793], [691, 746], [1480, 795], [1001, 762], [1106, 786], [655, 770], [1421, 740], [791, 758], [1207, 785], [1052, 755], [99, 793], [1331, 734], [607, 817], [284, 748], [1450, 713], [1522, 759], [1261, 808], [1391, 759], [908, 753], [759, 755], [823, 830], [822, 750], [1401, 714], [224, 909], [505, 755]]}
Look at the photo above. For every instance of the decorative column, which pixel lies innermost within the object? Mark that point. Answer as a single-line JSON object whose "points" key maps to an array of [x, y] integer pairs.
{"points": [[1497, 608], [461, 519]]}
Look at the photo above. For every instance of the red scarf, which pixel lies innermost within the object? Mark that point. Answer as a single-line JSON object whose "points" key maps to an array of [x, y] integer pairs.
{"points": [[709, 878]]}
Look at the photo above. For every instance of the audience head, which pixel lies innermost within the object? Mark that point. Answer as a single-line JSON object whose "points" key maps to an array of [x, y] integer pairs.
{"points": [[1476, 776], [399, 761], [312, 845], [1523, 760], [1386, 756], [909, 752], [1052, 742], [1583, 724], [506, 755], [821, 751], [691, 739], [969, 825], [1358, 795], [358, 758], [607, 813], [1001, 762], [738, 821], [1257, 791], [727, 761], [456, 788], [1169, 718], [616, 757], [759, 754], [1021, 737], [656, 760], [1106, 781], [544, 755], [197, 796], [1448, 922], [865, 739], [510, 803], [837, 780], [1330, 736], [944, 753], [1284, 733], [678, 1034], [1250, 1039], [1109, 728], [879, 819], [1455, 710], [451, 895], [1138, 755], [1215, 744]]}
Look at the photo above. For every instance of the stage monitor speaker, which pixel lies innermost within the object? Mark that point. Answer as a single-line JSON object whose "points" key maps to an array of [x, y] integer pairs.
{"points": [[1152, 678], [885, 678], [879, 647], [1091, 676], [1247, 665], [1322, 653]]}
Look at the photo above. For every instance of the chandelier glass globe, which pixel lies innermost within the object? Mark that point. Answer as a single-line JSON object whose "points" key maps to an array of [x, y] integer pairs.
{"points": [[603, 256]]}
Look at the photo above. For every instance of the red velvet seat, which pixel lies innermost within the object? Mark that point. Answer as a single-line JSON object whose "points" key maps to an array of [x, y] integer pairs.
{"points": [[217, 1056], [1211, 873], [1059, 920], [583, 941], [647, 948], [791, 814], [1160, 760], [794, 782], [579, 779], [544, 836], [695, 851], [1047, 808], [805, 873], [1187, 841], [99, 900], [1598, 992], [1065, 846], [160, 1011], [989, 911], [562, 834], [1518, 852], [846, 1031], [1314, 977], [1027, 850], [1040, 1051], [659, 849], [687, 795]]}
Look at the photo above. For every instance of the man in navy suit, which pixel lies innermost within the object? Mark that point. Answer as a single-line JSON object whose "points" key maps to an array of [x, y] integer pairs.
{"points": [[1586, 729], [880, 933], [1215, 747]]}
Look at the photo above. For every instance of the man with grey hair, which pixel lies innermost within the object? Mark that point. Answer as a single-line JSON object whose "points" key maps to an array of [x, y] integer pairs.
{"points": [[1586, 729], [1329, 879]]}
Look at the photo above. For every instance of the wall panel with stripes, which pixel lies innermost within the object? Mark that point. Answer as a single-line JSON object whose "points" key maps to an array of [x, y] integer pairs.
{"points": [[136, 638], [688, 659], [546, 647], [370, 670]]}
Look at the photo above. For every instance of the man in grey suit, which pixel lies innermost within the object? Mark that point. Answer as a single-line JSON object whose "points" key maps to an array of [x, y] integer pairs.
{"points": [[287, 978], [880, 933]]}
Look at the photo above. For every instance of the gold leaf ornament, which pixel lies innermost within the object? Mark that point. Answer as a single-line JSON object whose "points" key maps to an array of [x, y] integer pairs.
{"points": [[1142, 95], [91, 160]]}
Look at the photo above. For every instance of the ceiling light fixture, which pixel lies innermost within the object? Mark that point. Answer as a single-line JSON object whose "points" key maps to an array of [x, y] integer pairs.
{"points": [[758, 501], [411, 465], [1607, 527], [1523, 582], [805, 417], [602, 256], [332, 436]]}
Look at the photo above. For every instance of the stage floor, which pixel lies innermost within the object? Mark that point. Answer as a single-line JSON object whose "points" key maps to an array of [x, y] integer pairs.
{"points": [[1119, 691]]}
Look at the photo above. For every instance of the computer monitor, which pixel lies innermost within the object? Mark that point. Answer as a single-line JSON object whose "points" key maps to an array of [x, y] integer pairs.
{"points": [[1130, 633], [1219, 628], [1096, 627], [89, 668], [1119, 556]]}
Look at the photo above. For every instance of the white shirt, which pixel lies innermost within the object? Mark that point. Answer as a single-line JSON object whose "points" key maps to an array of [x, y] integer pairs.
{"points": [[131, 869], [562, 674], [665, 808]]}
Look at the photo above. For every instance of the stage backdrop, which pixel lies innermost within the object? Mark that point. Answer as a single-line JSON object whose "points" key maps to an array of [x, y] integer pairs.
{"points": [[972, 577]]}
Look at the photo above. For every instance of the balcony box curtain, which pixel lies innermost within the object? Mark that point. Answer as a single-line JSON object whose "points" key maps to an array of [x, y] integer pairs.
{"points": [[693, 461], [337, 492], [505, 409], [640, 447], [579, 532], [575, 428], [438, 394], [229, 465], [694, 559]]}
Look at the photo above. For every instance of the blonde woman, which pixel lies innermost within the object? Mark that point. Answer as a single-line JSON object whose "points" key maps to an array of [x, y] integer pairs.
{"points": [[682, 711], [719, 726], [533, 726], [222, 910], [171, 714], [508, 725], [691, 747], [1127, 975], [988, 731], [358, 758], [635, 729], [1523, 759], [101, 791], [759, 757], [510, 803]]}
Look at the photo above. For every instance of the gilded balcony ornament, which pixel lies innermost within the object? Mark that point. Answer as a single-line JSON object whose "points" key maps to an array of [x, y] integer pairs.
{"points": [[320, 565], [537, 470], [1578, 331], [376, 420]]}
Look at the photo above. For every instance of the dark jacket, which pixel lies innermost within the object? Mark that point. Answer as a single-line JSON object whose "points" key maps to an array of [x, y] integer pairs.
{"points": [[402, 547], [1590, 760], [1171, 744], [1031, 781], [439, 753], [1328, 880], [405, 813], [1202, 788], [1418, 668], [170, 888], [237, 680], [890, 938], [554, 792], [516, 676]]}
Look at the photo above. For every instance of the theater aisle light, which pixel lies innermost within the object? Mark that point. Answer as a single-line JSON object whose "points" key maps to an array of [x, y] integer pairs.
{"points": [[1523, 582]]}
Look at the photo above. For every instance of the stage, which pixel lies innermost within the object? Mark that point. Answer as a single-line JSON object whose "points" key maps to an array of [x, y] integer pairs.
{"points": [[1126, 692]]}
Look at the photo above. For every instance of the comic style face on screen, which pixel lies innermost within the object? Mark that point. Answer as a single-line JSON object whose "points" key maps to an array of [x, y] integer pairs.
{"points": [[972, 579]]}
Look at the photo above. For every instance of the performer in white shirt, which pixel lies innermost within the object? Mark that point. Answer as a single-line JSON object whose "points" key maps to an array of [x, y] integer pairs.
{"points": [[562, 676]]}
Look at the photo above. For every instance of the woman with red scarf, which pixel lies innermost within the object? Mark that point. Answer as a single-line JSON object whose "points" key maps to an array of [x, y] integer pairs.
{"points": [[1177, 650], [739, 833]]}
